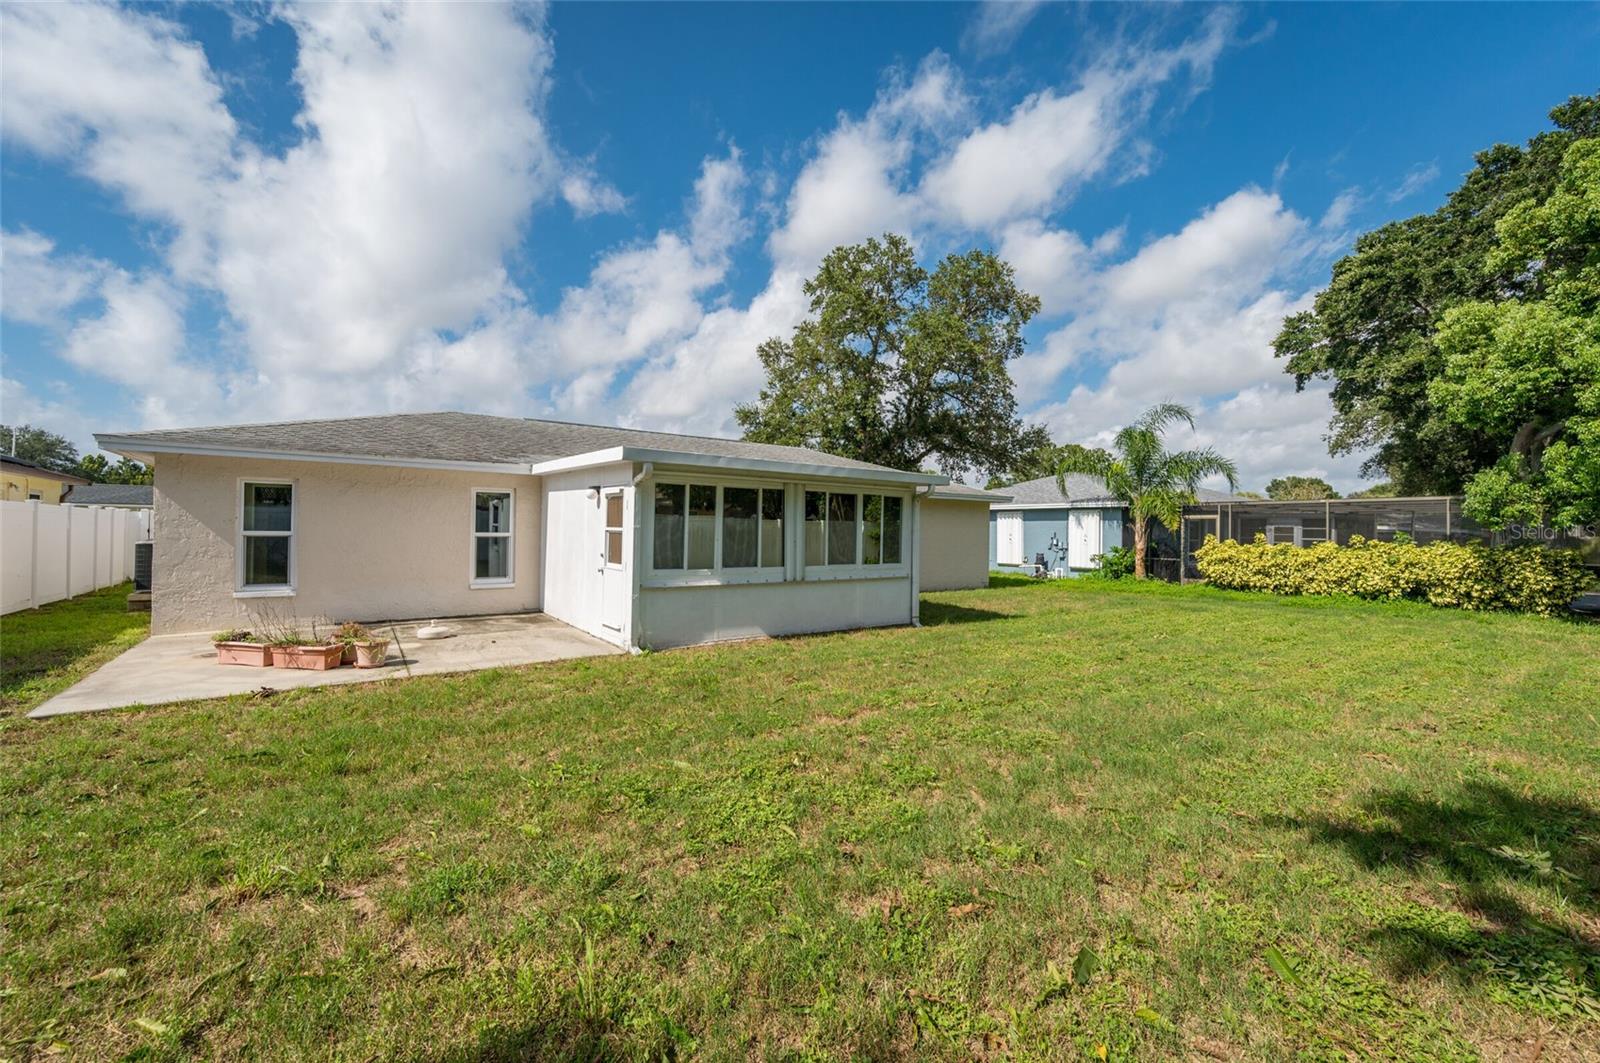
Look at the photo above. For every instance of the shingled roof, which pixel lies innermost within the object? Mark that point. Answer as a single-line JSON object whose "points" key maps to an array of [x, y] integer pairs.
{"points": [[457, 437], [1083, 492]]}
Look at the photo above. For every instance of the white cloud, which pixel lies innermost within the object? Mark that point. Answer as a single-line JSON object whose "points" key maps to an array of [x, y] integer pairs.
{"points": [[1415, 180], [853, 187], [1051, 143], [40, 286], [997, 24], [1191, 317], [127, 100], [138, 341], [1234, 246], [587, 195]]}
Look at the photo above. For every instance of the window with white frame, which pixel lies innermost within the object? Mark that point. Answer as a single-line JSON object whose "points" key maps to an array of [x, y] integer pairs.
{"points": [[491, 538], [845, 528], [702, 528], [614, 528], [266, 536]]}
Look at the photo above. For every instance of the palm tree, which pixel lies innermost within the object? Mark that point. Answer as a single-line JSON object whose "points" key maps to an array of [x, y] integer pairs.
{"points": [[1149, 481]]}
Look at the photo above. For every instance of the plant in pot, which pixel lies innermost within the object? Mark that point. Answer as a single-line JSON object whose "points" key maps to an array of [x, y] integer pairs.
{"points": [[238, 646], [349, 635], [291, 649], [372, 652]]}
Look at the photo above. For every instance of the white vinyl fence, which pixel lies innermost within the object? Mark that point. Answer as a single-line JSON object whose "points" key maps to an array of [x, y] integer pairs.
{"points": [[52, 552]]}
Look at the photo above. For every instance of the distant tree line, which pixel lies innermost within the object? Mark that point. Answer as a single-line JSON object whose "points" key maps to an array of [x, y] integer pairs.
{"points": [[51, 451]]}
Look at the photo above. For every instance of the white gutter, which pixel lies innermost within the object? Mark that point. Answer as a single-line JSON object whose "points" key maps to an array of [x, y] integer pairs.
{"points": [[644, 470], [689, 459]]}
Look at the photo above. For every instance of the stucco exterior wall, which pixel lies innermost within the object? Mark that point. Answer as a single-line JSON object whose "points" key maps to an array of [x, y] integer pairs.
{"points": [[18, 484], [371, 543], [954, 544]]}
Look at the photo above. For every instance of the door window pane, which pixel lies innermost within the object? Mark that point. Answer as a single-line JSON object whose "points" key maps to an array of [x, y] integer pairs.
{"points": [[871, 528], [668, 545], [702, 526], [266, 560], [771, 529], [613, 547], [740, 527], [268, 507], [892, 512], [841, 529], [614, 511], [493, 560], [816, 523]]}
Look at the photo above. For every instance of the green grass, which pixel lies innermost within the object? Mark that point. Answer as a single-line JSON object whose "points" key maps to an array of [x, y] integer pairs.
{"points": [[43, 651], [1059, 819]]}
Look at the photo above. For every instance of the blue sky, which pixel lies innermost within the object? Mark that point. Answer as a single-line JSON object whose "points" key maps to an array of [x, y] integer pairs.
{"points": [[596, 212]]}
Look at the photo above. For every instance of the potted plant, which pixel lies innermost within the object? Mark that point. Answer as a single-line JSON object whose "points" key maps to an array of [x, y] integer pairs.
{"points": [[237, 646], [372, 652], [291, 649], [349, 635]]}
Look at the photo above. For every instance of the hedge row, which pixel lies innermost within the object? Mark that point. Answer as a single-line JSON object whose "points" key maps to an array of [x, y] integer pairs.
{"points": [[1528, 578]]}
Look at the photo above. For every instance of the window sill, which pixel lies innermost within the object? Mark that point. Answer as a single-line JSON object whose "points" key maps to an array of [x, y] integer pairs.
{"points": [[855, 572], [661, 580], [490, 584], [265, 592]]}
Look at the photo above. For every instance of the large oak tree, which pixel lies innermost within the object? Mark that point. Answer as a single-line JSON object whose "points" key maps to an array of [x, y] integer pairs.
{"points": [[1375, 331], [900, 366]]}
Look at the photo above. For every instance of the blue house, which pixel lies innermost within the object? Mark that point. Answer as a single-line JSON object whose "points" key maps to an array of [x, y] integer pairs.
{"points": [[1071, 530]]}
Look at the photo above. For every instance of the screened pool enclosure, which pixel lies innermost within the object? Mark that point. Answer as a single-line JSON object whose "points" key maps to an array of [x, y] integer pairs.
{"points": [[1423, 520]]}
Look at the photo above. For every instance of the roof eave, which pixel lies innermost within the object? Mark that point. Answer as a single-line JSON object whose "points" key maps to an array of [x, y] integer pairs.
{"points": [[728, 463], [146, 450]]}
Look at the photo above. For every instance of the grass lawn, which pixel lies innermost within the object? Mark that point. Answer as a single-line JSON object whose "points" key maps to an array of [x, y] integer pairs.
{"points": [[1064, 820], [43, 651]]}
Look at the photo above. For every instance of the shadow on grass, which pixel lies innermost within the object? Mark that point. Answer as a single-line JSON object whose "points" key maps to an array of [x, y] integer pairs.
{"points": [[1508, 859], [935, 614], [562, 1037]]}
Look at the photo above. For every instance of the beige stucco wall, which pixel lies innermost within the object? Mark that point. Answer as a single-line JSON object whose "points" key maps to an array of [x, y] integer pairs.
{"points": [[371, 543], [955, 544]]}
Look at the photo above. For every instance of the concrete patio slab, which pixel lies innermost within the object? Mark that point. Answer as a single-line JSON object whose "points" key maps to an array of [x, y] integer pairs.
{"points": [[167, 668]]}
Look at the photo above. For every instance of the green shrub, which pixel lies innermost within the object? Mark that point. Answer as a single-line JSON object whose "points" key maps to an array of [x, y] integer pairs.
{"points": [[1115, 563], [1531, 579]]}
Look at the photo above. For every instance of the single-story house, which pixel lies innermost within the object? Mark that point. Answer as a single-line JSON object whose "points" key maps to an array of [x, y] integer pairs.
{"points": [[122, 496], [645, 539], [22, 480], [1071, 531]]}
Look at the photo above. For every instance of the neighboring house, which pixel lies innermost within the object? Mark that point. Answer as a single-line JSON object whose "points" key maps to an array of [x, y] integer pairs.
{"points": [[24, 480], [646, 539], [123, 496], [955, 534], [1070, 530]]}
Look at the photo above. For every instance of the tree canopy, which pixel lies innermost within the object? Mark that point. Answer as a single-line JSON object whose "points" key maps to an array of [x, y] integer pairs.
{"points": [[52, 451], [43, 448], [900, 366], [1154, 483], [1300, 489], [1383, 330]]}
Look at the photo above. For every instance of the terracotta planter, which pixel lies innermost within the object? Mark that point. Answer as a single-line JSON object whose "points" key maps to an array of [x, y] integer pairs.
{"points": [[253, 654], [349, 656], [372, 654], [309, 658]]}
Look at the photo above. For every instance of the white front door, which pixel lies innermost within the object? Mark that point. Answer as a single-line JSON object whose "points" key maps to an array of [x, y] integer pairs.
{"points": [[1008, 538], [1083, 538], [613, 573]]}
